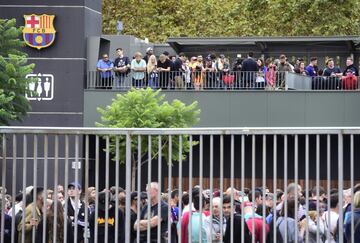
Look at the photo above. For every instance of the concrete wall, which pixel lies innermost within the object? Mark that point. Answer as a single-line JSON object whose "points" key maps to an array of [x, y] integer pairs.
{"points": [[254, 108]]}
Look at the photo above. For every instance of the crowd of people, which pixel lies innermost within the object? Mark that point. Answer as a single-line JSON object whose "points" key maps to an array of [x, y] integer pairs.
{"points": [[214, 71], [203, 214]]}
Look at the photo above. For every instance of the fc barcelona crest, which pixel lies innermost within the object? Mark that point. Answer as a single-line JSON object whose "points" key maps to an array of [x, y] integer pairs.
{"points": [[39, 31]]}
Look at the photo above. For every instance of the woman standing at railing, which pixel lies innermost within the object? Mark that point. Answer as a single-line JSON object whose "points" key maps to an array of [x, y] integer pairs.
{"points": [[49, 227], [261, 75], [152, 72]]}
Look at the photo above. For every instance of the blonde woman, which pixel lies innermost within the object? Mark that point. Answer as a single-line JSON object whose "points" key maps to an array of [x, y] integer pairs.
{"points": [[152, 72]]}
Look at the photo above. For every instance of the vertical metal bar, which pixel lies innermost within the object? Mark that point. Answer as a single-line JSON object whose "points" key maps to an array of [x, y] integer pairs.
{"points": [[24, 186], [190, 186], [180, 184], [285, 183], [275, 185], [352, 185], [107, 187], [97, 145], [46, 148], [56, 171], [148, 185], [159, 191], [35, 184], [117, 162], [242, 184], [77, 199], [296, 165], [307, 185], [86, 186], [139, 190], [128, 187], [65, 186], [3, 186], [221, 180], [201, 185], [253, 161], [317, 185], [264, 187], [340, 186], [232, 154], [14, 177], [328, 184], [211, 182], [169, 185]]}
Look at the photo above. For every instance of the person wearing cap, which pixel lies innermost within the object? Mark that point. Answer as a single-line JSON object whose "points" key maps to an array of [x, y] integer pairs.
{"points": [[106, 205], [32, 220], [155, 217], [133, 215], [76, 207], [149, 52]]}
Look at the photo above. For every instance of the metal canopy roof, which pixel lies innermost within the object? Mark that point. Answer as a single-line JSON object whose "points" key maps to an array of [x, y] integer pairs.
{"points": [[181, 42]]}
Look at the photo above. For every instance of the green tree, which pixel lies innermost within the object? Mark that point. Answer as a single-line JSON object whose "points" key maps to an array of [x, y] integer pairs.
{"points": [[13, 70], [159, 20], [146, 108]]}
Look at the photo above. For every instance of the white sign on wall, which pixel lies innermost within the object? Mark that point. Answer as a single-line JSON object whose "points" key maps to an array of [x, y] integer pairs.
{"points": [[44, 87]]}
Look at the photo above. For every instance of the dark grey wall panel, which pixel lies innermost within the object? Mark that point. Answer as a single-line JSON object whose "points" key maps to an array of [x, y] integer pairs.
{"points": [[254, 108]]}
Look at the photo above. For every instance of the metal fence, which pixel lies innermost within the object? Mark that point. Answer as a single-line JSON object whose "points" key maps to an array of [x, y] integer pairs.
{"points": [[218, 81], [202, 163], [197, 80]]}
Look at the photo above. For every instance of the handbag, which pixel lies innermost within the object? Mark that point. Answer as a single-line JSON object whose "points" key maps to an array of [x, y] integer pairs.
{"points": [[228, 79]]}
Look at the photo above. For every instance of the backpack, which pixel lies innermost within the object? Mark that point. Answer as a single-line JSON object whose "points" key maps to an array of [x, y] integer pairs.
{"points": [[270, 237]]}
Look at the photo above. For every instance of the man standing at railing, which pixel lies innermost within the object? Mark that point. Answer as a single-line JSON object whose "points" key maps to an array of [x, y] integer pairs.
{"points": [[249, 69], [310, 69], [178, 70], [283, 67], [155, 218], [138, 67], [121, 67], [33, 215], [105, 66]]}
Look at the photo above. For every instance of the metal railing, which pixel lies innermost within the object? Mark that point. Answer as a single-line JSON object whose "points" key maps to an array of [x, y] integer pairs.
{"points": [[201, 80], [197, 80], [208, 166]]}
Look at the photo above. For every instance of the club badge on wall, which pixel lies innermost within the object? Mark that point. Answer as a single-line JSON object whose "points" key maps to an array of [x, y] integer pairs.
{"points": [[44, 87], [39, 31]]}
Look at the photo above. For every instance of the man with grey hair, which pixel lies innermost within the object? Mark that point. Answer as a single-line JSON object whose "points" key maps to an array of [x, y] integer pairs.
{"points": [[155, 219]]}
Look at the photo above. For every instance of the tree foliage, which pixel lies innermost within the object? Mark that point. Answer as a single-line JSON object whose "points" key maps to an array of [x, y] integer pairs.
{"points": [[159, 20], [146, 108], [13, 70]]}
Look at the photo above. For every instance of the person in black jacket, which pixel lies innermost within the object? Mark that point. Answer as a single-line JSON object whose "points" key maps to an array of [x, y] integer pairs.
{"points": [[350, 67], [249, 69], [237, 232], [100, 221], [76, 207]]}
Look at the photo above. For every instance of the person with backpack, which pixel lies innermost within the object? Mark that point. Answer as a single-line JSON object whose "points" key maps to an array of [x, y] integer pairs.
{"points": [[287, 234]]}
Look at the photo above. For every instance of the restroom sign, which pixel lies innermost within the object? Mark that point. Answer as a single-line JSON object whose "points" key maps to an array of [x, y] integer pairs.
{"points": [[43, 87]]}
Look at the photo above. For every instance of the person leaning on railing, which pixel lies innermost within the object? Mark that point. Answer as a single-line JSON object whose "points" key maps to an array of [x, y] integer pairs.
{"points": [[178, 69], [105, 67], [163, 68], [121, 67], [138, 67]]}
